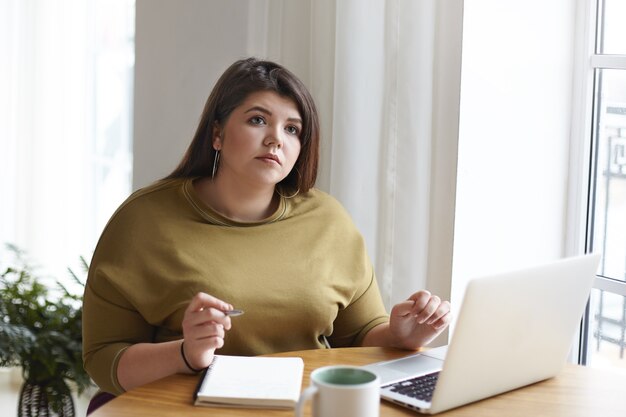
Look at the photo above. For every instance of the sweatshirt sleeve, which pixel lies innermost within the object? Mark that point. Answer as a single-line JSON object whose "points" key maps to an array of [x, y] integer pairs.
{"points": [[359, 317], [112, 320], [110, 325]]}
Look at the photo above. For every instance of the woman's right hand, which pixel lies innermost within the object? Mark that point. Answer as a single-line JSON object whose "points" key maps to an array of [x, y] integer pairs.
{"points": [[204, 326]]}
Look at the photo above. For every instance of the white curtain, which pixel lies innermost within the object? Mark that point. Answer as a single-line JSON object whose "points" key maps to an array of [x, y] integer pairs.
{"points": [[374, 68], [63, 114]]}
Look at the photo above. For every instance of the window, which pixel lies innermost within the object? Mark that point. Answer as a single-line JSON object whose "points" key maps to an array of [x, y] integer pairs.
{"points": [[65, 124], [604, 336]]}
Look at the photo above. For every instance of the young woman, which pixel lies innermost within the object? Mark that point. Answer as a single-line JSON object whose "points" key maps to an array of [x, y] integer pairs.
{"points": [[238, 223]]}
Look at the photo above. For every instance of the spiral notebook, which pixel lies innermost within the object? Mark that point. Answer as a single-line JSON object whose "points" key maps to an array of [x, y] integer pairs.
{"points": [[250, 382]]}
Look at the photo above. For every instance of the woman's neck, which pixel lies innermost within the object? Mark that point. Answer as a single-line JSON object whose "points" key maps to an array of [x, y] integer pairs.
{"points": [[236, 201]]}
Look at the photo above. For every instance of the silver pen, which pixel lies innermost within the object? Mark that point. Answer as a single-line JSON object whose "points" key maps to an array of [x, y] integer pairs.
{"points": [[233, 313]]}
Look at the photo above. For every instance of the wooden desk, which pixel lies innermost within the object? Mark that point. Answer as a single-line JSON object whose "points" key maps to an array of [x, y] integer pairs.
{"points": [[577, 391]]}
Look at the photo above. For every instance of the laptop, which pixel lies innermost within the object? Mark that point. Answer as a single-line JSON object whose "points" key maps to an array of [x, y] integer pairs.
{"points": [[513, 329]]}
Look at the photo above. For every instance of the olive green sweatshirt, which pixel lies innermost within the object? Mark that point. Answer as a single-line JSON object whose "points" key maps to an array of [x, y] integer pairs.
{"points": [[301, 275]]}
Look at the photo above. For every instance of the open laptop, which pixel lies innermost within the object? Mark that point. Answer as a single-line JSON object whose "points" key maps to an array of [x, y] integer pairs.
{"points": [[513, 329]]}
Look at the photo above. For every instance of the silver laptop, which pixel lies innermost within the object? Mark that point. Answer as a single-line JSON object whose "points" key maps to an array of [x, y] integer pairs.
{"points": [[513, 329]]}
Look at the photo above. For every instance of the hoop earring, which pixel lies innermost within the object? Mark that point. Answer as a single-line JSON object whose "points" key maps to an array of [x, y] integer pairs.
{"points": [[292, 195], [287, 196], [216, 160]]}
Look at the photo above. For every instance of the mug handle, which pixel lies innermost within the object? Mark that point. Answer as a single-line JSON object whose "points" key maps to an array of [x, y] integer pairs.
{"points": [[304, 397]]}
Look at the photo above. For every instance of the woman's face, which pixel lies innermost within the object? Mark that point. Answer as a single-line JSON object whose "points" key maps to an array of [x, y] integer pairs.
{"points": [[260, 141]]}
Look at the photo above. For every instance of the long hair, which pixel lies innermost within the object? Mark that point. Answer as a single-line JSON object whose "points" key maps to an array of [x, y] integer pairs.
{"points": [[241, 79]]}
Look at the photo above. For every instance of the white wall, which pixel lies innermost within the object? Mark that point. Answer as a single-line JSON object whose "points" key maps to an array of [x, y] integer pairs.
{"points": [[181, 50], [516, 90]]}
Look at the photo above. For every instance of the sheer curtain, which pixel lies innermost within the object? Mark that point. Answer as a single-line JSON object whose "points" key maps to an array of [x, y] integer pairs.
{"points": [[64, 123], [385, 75]]}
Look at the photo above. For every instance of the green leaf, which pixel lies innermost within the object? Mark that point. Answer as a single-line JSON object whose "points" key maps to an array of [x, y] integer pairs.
{"points": [[40, 326]]}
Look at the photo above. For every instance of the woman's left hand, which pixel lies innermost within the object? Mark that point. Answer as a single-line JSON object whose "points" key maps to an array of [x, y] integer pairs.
{"points": [[417, 321]]}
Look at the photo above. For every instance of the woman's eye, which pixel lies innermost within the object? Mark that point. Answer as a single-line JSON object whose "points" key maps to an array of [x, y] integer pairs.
{"points": [[257, 120], [292, 130]]}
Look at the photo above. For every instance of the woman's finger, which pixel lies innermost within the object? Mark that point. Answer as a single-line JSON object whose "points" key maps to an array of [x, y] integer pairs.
{"points": [[428, 310], [443, 321], [420, 299], [210, 315], [201, 301], [210, 330], [210, 343], [403, 308], [444, 308]]}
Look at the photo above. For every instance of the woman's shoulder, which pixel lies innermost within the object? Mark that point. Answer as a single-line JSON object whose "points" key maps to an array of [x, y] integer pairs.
{"points": [[146, 203], [318, 198], [153, 190], [152, 195], [316, 201]]}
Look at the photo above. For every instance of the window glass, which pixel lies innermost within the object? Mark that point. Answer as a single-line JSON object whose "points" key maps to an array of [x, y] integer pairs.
{"points": [[605, 338], [607, 343], [114, 60], [613, 28], [610, 199], [66, 86]]}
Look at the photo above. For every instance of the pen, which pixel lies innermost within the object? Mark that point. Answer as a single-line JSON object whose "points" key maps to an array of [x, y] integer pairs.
{"points": [[233, 313]]}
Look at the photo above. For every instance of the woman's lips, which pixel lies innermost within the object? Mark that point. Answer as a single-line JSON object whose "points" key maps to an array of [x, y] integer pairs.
{"points": [[270, 158]]}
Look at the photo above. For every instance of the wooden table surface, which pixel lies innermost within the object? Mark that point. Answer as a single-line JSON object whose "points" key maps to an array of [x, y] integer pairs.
{"points": [[576, 392]]}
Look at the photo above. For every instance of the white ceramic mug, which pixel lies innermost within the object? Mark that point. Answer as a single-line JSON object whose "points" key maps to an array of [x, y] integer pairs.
{"points": [[342, 391]]}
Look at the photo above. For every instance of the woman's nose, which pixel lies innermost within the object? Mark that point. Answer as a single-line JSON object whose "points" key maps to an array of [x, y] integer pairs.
{"points": [[273, 138]]}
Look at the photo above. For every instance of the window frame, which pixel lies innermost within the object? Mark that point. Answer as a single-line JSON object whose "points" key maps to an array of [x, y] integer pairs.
{"points": [[584, 163]]}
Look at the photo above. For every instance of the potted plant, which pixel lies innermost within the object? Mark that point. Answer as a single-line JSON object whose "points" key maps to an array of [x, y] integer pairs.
{"points": [[40, 330]]}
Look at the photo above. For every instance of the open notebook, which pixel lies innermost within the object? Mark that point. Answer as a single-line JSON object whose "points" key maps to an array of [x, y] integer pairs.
{"points": [[250, 381]]}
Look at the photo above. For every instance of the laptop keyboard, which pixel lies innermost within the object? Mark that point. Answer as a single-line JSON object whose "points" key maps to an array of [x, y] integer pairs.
{"points": [[421, 387]]}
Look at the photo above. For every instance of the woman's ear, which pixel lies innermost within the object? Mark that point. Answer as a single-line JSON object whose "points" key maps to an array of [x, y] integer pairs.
{"points": [[217, 137]]}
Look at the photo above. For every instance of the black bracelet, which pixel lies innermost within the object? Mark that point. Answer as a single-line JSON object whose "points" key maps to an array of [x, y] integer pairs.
{"points": [[182, 353]]}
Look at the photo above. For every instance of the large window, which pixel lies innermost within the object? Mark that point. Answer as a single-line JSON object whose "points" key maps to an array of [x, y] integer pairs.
{"points": [[66, 82], [604, 337]]}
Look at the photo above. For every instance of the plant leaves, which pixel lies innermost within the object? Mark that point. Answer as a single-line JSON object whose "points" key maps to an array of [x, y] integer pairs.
{"points": [[40, 329]]}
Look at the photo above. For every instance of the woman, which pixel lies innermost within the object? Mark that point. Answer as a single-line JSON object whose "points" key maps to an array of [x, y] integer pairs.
{"points": [[238, 223]]}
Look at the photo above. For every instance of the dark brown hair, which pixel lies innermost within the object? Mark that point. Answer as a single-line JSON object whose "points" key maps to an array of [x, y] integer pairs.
{"points": [[241, 79]]}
